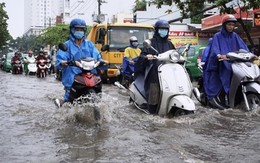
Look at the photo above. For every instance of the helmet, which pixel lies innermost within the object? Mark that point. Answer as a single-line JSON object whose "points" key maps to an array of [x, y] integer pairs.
{"points": [[30, 52], [133, 39], [41, 52], [229, 18], [79, 23], [162, 24]]}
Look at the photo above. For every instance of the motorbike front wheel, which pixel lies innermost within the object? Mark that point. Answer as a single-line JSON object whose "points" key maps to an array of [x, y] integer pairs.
{"points": [[253, 100], [176, 112]]}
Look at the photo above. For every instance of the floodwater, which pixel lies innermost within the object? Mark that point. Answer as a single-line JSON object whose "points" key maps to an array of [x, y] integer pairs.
{"points": [[34, 130]]}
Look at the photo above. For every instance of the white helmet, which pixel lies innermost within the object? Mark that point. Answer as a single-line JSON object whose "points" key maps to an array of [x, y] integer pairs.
{"points": [[133, 39]]}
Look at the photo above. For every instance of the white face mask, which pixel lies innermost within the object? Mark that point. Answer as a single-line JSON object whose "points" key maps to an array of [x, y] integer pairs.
{"points": [[163, 32]]}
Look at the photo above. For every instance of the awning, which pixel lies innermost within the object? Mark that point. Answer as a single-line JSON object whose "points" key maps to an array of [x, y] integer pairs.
{"points": [[214, 22], [194, 26]]}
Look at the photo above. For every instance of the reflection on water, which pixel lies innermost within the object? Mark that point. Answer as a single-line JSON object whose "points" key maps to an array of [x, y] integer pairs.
{"points": [[112, 130]]}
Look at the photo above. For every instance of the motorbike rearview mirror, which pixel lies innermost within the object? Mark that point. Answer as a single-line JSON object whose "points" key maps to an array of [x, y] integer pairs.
{"points": [[187, 47], [105, 48], [147, 44], [62, 47]]}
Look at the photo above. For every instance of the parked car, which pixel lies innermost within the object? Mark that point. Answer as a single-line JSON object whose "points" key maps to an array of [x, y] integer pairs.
{"points": [[7, 62], [193, 58]]}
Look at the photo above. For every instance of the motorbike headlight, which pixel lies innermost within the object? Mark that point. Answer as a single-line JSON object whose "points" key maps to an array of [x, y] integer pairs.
{"points": [[174, 56], [88, 65]]}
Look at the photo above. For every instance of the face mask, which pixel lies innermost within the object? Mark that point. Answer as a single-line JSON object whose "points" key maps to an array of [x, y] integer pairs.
{"points": [[134, 44], [163, 32], [78, 34]]}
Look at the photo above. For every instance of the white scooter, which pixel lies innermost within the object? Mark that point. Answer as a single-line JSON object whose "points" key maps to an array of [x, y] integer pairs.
{"points": [[175, 86], [32, 68], [245, 83]]}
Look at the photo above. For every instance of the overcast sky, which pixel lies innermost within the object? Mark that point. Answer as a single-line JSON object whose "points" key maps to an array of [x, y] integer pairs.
{"points": [[15, 11]]}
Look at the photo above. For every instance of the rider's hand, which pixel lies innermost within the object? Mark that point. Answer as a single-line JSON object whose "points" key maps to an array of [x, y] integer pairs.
{"points": [[221, 57], [149, 56], [106, 62], [64, 63], [131, 62]]}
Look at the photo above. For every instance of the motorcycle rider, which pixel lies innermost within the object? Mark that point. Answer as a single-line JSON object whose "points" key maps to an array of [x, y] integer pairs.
{"points": [[206, 51], [217, 75], [130, 55], [15, 58], [78, 47], [41, 56], [132, 51], [26, 61], [146, 60]]}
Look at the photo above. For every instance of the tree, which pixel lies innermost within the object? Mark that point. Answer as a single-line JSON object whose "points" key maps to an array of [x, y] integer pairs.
{"points": [[190, 8], [50, 36], [140, 5], [5, 36], [55, 35]]}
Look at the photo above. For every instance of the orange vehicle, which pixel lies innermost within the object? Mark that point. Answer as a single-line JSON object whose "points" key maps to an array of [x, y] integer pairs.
{"points": [[112, 39]]}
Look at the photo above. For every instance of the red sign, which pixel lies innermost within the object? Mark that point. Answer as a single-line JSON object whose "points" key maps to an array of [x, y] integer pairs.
{"points": [[256, 22], [128, 20], [215, 20]]}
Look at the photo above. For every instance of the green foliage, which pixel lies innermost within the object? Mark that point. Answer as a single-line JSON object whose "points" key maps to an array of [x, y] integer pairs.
{"points": [[140, 5], [55, 35], [190, 8], [197, 19], [50, 36], [4, 33]]}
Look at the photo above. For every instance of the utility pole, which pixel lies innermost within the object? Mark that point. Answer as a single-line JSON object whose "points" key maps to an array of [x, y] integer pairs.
{"points": [[100, 17], [99, 4]]}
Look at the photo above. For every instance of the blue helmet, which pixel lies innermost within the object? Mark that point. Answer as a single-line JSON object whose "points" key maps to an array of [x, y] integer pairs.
{"points": [[161, 24], [78, 23]]}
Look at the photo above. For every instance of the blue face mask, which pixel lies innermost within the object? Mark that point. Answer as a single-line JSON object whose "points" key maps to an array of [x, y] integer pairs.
{"points": [[78, 34], [163, 32]]}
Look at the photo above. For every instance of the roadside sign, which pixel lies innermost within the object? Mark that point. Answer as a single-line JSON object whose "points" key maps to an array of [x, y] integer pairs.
{"points": [[256, 22]]}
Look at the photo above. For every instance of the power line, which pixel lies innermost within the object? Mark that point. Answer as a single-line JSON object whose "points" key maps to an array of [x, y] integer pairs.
{"points": [[93, 1], [148, 19], [77, 5]]}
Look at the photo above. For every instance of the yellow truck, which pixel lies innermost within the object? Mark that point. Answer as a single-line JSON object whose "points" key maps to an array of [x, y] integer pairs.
{"points": [[112, 39]]}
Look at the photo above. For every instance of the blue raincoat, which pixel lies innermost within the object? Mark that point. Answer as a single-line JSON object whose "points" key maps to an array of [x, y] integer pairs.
{"points": [[127, 67], [74, 53], [217, 74], [206, 51]]}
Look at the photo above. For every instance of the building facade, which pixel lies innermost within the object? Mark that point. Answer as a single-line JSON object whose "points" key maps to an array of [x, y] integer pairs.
{"points": [[40, 14]]}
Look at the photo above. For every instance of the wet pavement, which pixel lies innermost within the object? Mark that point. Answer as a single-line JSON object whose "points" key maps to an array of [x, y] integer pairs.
{"points": [[34, 130]]}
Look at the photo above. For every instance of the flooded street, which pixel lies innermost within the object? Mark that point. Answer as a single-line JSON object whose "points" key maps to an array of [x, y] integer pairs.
{"points": [[34, 130]]}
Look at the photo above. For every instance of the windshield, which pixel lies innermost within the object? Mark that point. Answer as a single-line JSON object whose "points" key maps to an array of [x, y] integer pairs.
{"points": [[118, 37]]}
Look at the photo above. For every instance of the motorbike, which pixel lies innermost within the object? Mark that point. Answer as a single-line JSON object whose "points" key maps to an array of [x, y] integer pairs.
{"points": [[32, 68], [127, 72], [175, 89], [42, 68], [86, 84], [17, 67], [244, 86]]}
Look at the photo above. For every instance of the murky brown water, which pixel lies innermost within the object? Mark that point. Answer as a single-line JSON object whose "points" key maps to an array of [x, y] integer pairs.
{"points": [[34, 130]]}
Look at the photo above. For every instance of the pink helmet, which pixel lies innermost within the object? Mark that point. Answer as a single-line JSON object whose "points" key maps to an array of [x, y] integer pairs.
{"points": [[229, 18]]}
